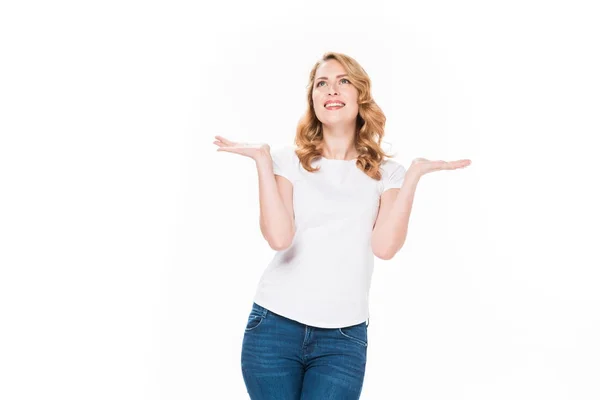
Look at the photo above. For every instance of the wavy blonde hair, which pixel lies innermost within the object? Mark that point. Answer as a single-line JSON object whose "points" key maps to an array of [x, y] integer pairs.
{"points": [[370, 121]]}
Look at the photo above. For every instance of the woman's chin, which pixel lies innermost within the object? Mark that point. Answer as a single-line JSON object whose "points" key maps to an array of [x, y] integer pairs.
{"points": [[333, 122]]}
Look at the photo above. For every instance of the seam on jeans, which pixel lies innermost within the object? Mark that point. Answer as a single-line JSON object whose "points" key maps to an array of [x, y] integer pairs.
{"points": [[257, 325], [305, 342], [352, 338], [263, 311]]}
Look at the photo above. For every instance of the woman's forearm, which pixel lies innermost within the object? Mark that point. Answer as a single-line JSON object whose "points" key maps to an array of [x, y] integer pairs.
{"points": [[391, 232], [276, 222]]}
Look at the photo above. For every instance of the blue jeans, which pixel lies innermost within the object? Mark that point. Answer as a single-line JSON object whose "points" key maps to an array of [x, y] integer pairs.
{"points": [[283, 359]]}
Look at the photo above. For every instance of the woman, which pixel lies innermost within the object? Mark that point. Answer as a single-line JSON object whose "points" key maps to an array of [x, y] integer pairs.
{"points": [[327, 205]]}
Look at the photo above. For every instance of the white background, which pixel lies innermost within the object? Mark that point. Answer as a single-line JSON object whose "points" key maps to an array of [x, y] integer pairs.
{"points": [[130, 248]]}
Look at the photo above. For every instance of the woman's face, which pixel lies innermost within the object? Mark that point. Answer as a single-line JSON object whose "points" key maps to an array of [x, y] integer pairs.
{"points": [[332, 86]]}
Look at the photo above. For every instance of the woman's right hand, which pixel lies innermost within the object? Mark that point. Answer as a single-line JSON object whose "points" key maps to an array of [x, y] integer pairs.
{"points": [[252, 150]]}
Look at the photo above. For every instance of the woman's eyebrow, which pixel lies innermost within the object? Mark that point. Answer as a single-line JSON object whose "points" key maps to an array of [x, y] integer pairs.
{"points": [[324, 77]]}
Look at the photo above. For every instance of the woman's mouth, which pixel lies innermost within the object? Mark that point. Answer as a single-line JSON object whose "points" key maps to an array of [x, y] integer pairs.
{"points": [[335, 105]]}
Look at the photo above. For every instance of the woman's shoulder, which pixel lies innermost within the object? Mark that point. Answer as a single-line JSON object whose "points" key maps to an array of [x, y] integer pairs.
{"points": [[390, 165], [286, 151]]}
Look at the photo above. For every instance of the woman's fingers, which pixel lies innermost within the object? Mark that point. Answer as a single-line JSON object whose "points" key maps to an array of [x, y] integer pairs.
{"points": [[221, 144], [459, 163], [225, 144], [455, 164], [225, 141], [219, 139]]}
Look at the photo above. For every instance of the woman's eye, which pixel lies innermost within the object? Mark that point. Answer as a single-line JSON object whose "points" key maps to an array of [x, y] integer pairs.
{"points": [[341, 80]]}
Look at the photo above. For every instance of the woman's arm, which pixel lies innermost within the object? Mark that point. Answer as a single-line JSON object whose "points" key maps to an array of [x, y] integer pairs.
{"points": [[391, 226], [275, 193], [276, 205]]}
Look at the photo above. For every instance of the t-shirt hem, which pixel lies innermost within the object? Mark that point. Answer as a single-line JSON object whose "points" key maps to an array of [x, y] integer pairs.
{"points": [[306, 321]]}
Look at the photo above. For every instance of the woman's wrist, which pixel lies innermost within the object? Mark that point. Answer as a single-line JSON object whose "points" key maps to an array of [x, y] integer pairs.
{"points": [[263, 159]]}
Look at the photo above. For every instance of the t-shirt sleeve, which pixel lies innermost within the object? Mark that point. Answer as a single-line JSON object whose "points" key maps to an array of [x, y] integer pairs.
{"points": [[284, 162], [393, 178]]}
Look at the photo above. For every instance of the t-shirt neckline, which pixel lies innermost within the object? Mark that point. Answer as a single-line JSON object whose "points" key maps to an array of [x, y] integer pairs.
{"points": [[337, 160]]}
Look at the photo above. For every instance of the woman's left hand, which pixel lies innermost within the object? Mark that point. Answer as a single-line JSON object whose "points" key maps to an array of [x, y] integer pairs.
{"points": [[422, 166]]}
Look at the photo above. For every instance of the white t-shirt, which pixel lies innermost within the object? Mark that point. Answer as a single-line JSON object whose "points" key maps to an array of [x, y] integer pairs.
{"points": [[323, 278]]}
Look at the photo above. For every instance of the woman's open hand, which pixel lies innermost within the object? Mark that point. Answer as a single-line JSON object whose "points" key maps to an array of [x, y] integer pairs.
{"points": [[252, 150], [422, 166]]}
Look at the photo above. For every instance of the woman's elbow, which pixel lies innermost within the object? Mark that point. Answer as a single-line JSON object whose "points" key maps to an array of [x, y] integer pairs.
{"points": [[280, 244], [384, 254]]}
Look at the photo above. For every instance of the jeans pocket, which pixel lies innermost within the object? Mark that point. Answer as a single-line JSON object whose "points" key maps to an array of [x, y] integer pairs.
{"points": [[356, 333], [256, 317]]}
